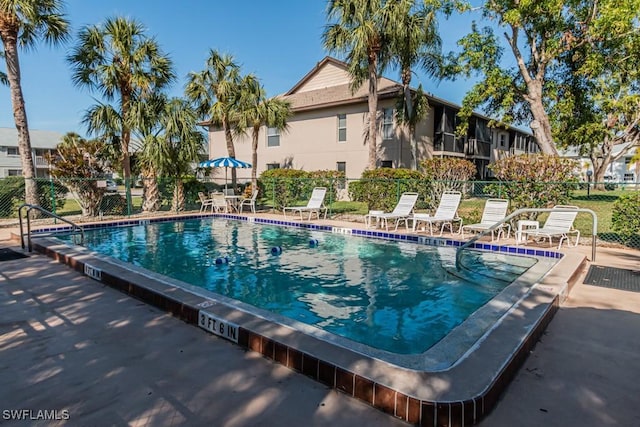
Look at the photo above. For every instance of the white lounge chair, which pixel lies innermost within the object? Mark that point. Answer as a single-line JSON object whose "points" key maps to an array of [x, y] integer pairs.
{"points": [[402, 212], [495, 210], [314, 205], [558, 224], [446, 214]]}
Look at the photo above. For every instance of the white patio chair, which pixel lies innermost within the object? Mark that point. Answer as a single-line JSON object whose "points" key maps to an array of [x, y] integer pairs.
{"points": [[314, 205], [204, 201], [249, 201], [219, 203], [558, 224], [495, 210], [446, 214], [402, 212]]}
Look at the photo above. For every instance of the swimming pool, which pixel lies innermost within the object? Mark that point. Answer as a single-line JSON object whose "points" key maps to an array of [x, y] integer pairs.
{"points": [[398, 297], [455, 382]]}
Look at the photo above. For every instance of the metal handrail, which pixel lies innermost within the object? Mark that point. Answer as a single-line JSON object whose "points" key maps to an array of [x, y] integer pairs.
{"points": [[594, 234], [51, 214]]}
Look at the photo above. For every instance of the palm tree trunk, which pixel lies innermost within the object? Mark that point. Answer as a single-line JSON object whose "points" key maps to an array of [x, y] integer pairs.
{"points": [[231, 151], [150, 191], [177, 204], [9, 38], [408, 105], [254, 159], [124, 142], [373, 112]]}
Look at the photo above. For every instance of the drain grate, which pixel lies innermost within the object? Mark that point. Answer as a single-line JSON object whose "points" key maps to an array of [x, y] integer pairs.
{"points": [[615, 278], [8, 254]]}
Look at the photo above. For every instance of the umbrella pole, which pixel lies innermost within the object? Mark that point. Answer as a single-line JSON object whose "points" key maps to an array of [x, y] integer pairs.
{"points": [[225, 180]]}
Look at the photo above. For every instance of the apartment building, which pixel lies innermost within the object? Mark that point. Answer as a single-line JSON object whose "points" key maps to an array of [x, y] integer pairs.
{"points": [[327, 128], [42, 142]]}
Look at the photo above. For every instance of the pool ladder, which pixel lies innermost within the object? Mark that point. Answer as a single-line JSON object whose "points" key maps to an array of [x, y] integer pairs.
{"points": [[74, 227], [529, 210]]}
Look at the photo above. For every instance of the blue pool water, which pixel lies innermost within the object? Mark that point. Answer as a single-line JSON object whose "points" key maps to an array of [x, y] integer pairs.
{"points": [[395, 296]]}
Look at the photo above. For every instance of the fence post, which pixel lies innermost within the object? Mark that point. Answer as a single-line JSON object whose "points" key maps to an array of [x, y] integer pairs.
{"points": [[52, 192], [273, 196]]}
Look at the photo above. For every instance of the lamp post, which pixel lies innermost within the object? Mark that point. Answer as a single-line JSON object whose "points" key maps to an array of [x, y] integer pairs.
{"points": [[589, 173]]}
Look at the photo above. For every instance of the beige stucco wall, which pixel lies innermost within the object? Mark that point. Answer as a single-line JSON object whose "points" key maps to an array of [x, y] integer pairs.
{"points": [[311, 142]]}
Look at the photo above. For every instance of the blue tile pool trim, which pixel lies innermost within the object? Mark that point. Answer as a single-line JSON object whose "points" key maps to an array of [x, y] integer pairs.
{"points": [[423, 240]]}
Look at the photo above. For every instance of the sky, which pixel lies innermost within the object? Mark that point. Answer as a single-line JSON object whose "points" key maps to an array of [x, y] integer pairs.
{"points": [[279, 41]]}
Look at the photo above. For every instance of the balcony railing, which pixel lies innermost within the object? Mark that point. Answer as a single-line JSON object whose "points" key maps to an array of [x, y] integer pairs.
{"points": [[478, 148]]}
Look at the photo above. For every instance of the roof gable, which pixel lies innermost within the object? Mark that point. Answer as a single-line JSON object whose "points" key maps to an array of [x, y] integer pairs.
{"points": [[327, 73]]}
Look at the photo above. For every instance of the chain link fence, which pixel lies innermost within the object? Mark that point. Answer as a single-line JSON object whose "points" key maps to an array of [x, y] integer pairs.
{"points": [[617, 205]]}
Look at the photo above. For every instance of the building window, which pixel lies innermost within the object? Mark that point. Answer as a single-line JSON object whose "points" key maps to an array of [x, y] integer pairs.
{"points": [[14, 172], [273, 137], [387, 124], [386, 163], [342, 127], [503, 140], [13, 151], [273, 166]]}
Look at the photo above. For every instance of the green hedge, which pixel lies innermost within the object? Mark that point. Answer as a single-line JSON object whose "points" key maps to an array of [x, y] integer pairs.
{"points": [[381, 188]]}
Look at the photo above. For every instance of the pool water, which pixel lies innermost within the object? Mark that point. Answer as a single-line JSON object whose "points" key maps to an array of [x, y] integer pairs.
{"points": [[395, 296]]}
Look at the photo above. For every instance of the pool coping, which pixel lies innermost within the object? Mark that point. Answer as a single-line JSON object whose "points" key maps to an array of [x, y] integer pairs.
{"points": [[459, 395]]}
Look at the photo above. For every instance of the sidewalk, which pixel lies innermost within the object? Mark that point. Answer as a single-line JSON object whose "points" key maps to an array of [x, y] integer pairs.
{"points": [[70, 343], [584, 371]]}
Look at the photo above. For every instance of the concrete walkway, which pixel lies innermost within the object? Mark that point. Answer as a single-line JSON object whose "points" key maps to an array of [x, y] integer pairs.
{"points": [[584, 371], [70, 343]]}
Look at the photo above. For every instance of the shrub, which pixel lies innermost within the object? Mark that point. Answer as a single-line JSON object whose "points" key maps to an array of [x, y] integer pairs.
{"points": [[447, 173], [534, 180], [625, 218], [332, 180], [12, 195], [284, 186], [113, 204], [381, 188]]}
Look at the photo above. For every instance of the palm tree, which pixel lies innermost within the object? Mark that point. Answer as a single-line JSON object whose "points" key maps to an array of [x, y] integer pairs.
{"points": [[123, 64], [359, 33], [177, 147], [215, 92], [23, 22], [256, 111], [414, 40], [148, 112]]}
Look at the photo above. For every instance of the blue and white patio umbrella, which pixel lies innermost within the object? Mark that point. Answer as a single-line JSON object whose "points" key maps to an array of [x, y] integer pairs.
{"points": [[226, 162]]}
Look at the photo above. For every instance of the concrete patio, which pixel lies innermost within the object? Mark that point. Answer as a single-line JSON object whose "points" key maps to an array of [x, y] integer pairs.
{"points": [[70, 343]]}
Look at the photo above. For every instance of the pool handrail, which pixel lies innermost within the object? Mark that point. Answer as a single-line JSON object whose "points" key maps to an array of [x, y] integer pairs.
{"points": [[51, 214], [514, 214]]}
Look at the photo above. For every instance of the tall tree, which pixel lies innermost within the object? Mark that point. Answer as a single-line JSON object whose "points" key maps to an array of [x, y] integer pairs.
{"points": [[23, 23], [357, 31], [414, 40], [80, 163], [119, 61], [177, 147], [597, 106], [540, 36], [256, 110], [215, 92]]}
